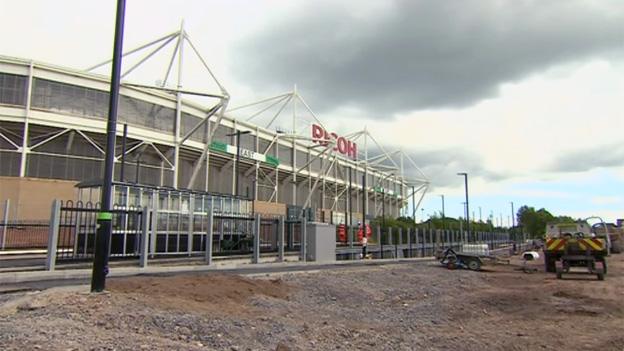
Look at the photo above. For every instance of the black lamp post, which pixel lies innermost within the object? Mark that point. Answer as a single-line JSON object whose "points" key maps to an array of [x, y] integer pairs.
{"points": [[465, 175], [105, 216], [238, 133]]}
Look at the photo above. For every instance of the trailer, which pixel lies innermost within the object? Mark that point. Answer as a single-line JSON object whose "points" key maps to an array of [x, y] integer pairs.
{"points": [[578, 254], [452, 259]]}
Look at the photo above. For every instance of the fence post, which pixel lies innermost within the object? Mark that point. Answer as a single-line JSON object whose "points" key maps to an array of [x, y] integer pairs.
{"points": [[208, 254], [304, 239], [431, 241], [390, 241], [379, 235], [280, 239], [53, 233], [144, 236], [424, 242], [153, 237], [409, 241], [349, 233], [256, 239], [5, 223], [399, 241], [189, 236]]}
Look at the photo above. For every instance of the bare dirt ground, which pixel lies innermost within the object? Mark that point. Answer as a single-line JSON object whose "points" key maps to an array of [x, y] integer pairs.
{"points": [[411, 306]]}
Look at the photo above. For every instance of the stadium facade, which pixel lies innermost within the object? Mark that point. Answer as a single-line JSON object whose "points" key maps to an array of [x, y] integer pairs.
{"points": [[52, 137]]}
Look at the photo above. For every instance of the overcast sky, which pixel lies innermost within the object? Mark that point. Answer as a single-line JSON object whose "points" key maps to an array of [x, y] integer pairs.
{"points": [[525, 96]]}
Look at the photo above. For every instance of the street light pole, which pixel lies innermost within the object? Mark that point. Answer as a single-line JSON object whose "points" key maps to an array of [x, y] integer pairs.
{"points": [[513, 219], [465, 175], [443, 216], [105, 217], [238, 133], [414, 205]]}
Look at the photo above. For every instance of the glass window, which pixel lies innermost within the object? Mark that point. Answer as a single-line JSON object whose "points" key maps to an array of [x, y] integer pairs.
{"points": [[189, 122], [221, 134], [217, 203], [317, 164], [10, 162], [263, 144], [89, 102], [248, 141], [146, 114], [302, 158], [227, 206], [198, 203], [12, 89], [285, 155], [68, 98], [163, 201]]}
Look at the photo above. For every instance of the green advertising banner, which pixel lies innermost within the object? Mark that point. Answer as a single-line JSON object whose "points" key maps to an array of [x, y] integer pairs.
{"points": [[230, 149]]}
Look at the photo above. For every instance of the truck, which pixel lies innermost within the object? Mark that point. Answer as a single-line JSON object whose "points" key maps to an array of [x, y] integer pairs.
{"points": [[570, 245]]}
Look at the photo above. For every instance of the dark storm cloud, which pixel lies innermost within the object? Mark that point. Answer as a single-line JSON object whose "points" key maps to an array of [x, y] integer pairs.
{"points": [[421, 54], [441, 166], [595, 157]]}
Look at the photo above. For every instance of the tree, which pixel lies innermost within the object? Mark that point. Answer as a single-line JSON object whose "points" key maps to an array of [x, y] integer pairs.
{"points": [[534, 222]]}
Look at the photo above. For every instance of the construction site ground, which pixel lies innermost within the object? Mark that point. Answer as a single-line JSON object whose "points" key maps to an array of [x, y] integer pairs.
{"points": [[406, 306]]}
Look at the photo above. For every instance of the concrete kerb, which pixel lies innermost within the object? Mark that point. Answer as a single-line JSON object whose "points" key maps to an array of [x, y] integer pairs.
{"points": [[261, 268]]}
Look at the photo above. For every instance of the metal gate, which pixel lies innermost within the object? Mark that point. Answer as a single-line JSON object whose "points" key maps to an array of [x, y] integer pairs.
{"points": [[77, 230]]}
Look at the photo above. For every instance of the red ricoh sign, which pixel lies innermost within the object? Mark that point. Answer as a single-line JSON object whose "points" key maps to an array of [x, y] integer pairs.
{"points": [[343, 146]]}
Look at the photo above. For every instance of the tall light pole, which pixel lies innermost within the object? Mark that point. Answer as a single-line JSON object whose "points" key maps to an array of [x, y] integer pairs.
{"points": [[465, 175], [105, 216], [513, 219], [414, 205], [238, 133], [443, 222], [480, 218]]}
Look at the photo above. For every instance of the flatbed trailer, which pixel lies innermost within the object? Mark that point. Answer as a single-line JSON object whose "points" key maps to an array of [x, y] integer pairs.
{"points": [[452, 259]]}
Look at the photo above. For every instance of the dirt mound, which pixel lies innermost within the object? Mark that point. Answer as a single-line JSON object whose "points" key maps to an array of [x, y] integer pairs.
{"points": [[203, 292]]}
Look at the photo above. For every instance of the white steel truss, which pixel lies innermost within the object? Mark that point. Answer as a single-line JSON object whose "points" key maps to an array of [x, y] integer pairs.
{"points": [[180, 38]]}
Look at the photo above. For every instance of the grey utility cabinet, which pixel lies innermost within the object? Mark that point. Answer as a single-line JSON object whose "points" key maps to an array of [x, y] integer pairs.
{"points": [[321, 242]]}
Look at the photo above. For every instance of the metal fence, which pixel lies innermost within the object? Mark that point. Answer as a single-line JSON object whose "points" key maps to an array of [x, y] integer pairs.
{"points": [[159, 234], [77, 228], [23, 235], [416, 242]]}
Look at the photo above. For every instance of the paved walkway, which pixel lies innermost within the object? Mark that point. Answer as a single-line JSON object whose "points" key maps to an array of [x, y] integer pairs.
{"points": [[236, 266]]}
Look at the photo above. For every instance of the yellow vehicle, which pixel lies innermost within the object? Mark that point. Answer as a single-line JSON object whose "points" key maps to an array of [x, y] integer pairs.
{"points": [[571, 245]]}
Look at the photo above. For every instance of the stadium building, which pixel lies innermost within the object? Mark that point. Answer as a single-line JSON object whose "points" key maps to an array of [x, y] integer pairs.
{"points": [[53, 132]]}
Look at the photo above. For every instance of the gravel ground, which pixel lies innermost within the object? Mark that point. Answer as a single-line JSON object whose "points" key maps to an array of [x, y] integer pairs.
{"points": [[411, 306]]}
